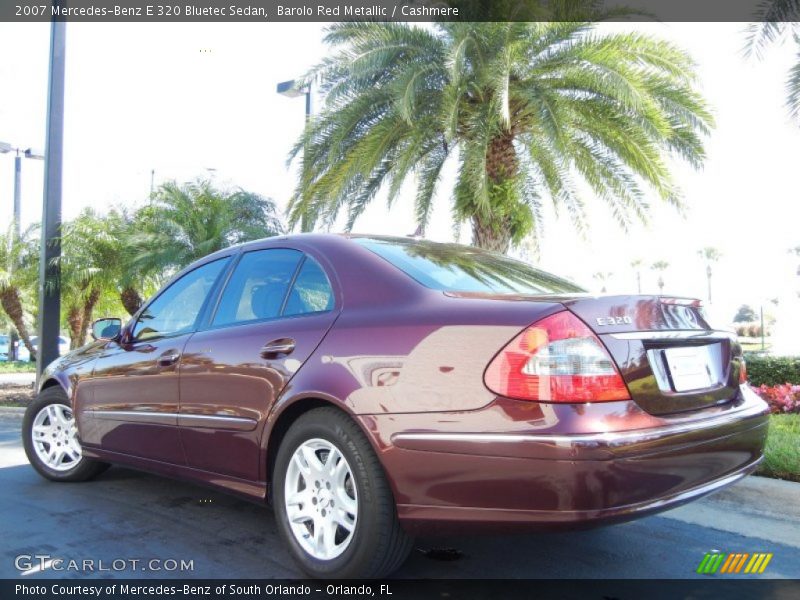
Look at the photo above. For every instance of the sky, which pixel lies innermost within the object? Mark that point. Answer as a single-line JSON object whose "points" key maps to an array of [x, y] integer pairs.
{"points": [[180, 101]]}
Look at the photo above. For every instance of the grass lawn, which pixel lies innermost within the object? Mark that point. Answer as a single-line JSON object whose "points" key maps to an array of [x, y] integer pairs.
{"points": [[782, 456], [17, 367]]}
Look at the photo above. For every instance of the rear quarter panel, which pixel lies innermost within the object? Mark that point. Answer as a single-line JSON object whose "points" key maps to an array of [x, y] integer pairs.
{"points": [[424, 355]]}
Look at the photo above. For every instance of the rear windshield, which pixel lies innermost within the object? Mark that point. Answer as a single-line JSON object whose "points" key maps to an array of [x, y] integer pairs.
{"points": [[455, 268]]}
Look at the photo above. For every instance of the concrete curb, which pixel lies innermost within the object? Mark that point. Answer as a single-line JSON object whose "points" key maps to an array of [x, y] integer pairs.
{"points": [[769, 506], [12, 411], [764, 496]]}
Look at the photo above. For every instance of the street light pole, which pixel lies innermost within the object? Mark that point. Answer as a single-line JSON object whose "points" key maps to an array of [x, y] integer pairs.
{"points": [[49, 265], [14, 235], [290, 90], [17, 192], [12, 339]]}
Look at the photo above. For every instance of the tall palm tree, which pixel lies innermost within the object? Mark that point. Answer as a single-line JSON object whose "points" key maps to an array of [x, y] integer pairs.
{"points": [[602, 278], [18, 278], [118, 247], [184, 223], [89, 269], [779, 19], [636, 265], [659, 267], [710, 255], [524, 109], [133, 282]]}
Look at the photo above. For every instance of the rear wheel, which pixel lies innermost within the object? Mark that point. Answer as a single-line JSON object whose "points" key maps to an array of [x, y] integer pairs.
{"points": [[333, 505], [50, 438]]}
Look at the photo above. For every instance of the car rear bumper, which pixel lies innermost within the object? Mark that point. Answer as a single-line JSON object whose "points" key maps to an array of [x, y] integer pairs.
{"points": [[550, 472], [439, 519]]}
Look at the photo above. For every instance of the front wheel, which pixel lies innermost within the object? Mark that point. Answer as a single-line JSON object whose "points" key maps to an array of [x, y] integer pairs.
{"points": [[50, 438], [333, 505]]}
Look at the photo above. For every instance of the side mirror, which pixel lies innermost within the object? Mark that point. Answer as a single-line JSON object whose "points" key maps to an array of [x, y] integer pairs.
{"points": [[106, 329]]}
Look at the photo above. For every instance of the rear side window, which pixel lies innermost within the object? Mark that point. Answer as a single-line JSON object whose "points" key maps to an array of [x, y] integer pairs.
{"points": [[311, 291], [258, 286], [456, 268]]}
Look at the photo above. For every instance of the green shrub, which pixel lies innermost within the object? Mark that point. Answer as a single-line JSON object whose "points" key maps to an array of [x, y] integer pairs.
{"points": [[772, 370]]}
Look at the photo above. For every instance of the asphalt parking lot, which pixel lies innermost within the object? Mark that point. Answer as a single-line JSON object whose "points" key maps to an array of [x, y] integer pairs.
{"points": [[129, 515]]}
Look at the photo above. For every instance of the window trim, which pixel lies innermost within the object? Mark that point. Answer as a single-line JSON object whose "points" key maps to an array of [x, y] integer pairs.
{"points": [[290, 287]]}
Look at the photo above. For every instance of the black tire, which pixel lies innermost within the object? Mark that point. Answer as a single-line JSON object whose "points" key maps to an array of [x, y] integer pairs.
{"points": [[83, 469], [379, 545]]}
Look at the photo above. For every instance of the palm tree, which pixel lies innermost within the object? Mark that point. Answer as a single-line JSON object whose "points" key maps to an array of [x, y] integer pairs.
{"points": [[602, 278], [523, 108], [660, 266], [710, 255], [133, 282], [18, 277], [779, 19], [119, 248], [90, 267], [184, 223], [636, 265]]}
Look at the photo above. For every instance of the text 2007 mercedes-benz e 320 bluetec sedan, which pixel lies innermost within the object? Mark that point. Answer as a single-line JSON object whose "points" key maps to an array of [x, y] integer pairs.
{"points": [[373, 387]]}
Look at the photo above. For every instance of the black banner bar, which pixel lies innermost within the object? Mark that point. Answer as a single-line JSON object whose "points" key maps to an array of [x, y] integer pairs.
{"points": [[254, 589], [146, 11]]}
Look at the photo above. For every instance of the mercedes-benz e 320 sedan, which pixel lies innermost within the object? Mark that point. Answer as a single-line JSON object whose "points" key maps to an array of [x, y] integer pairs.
{"points": [[373, 387]]}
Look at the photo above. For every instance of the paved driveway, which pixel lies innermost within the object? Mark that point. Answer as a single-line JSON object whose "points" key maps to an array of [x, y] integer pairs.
{"points": [[129, 515]]}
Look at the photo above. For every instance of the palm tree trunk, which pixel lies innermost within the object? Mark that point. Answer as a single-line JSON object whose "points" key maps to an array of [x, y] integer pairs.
{"points": [[490, 235], [131, 300], [12, 305], [74, 319], [495, 230], [86, 317]]}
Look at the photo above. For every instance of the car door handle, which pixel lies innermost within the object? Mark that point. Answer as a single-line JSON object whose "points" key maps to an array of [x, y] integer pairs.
{"points": [[277, 347], [168, 358]]}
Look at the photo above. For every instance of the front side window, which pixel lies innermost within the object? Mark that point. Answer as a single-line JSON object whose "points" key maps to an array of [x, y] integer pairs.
{"points": [[176, 309], [258, 287]]}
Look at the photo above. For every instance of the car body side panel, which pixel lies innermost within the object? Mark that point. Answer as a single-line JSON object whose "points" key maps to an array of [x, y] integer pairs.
{"points": [[421, 357], [72, 371], [227, 389]]}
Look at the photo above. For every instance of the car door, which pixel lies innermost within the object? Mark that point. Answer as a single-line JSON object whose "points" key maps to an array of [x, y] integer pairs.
{"points": [[274, 311], [132, 401]]}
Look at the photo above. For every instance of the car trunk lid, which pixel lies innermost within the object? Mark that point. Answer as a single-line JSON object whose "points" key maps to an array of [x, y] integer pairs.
{"points": [[670, 357]]}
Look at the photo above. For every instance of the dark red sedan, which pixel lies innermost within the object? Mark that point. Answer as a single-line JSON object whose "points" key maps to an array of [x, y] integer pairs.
{"points": [[376, 387]]}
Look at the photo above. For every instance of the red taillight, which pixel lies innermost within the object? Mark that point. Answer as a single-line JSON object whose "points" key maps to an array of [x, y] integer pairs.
{"points": [[557, 359], [742, 371]]}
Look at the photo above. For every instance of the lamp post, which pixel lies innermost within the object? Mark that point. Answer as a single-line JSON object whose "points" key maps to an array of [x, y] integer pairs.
{"points": [[49, 265], [290, 89], [19, 154]]}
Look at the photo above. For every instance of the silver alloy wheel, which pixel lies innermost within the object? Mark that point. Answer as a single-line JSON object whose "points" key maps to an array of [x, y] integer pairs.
{"points": [[320, 498], [55, 437]]}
